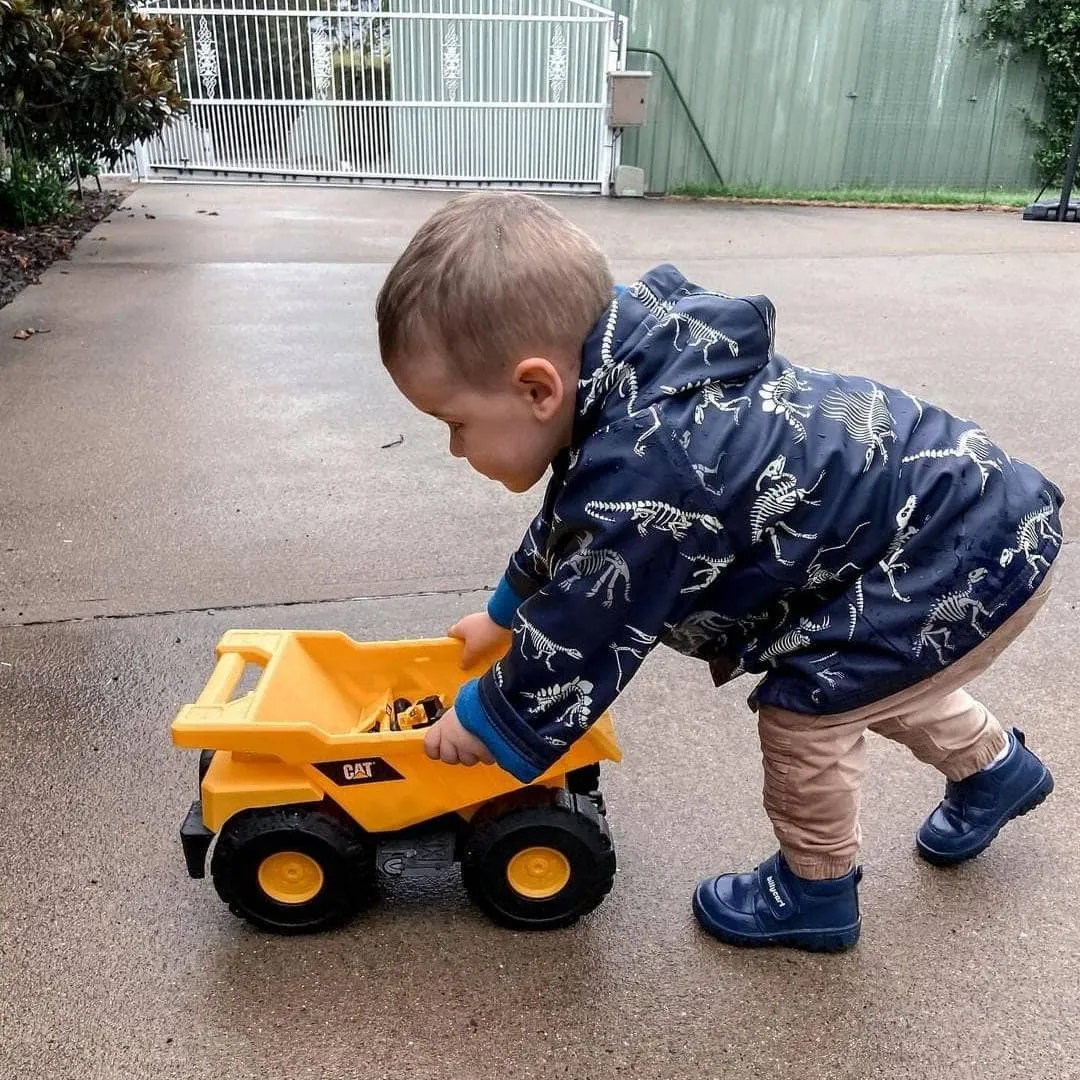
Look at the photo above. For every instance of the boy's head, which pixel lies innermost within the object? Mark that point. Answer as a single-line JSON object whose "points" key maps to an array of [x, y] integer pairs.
{"points": [[481, 323]]}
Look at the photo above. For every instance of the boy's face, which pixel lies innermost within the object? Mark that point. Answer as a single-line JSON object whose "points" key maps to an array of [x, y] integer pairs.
{"points": [[509, 431]]}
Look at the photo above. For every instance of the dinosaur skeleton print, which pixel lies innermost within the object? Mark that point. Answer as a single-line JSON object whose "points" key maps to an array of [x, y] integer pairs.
{"points": [[607, 569], [834, 536], [698, 334]]}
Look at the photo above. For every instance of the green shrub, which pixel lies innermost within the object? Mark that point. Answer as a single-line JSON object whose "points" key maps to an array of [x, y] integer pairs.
{"points": [[80, 80], [1051, 30], [32, 192]]}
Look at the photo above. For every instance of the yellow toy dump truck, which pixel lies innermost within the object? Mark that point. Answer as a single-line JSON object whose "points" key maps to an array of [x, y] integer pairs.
{"points": [[316, 781]]}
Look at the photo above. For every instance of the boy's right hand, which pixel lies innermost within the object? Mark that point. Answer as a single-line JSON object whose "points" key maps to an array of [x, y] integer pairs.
{"points": [[482, 637]]}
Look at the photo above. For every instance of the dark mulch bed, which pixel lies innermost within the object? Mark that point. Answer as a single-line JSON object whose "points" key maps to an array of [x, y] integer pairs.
{"points": [[26, 253]]}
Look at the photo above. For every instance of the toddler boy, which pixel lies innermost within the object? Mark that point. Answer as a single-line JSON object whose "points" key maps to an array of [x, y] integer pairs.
{"points": [[864, 552]]}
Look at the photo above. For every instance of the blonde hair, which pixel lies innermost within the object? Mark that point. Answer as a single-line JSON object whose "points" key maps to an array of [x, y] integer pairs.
{"points": [[490, 279]]}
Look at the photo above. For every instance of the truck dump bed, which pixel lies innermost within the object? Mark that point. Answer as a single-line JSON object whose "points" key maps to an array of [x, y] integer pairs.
{"points": [[323, 704]]}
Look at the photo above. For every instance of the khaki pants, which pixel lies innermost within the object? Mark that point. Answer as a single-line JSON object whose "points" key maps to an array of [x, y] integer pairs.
{"points": [[814, 764]]}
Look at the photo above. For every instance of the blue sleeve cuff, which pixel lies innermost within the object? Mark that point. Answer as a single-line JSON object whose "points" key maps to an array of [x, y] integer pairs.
{"points": [[474, 719], [503, 604]]}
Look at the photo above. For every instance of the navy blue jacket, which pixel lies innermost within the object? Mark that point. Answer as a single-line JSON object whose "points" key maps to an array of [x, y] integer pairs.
{"points": [[839, 537]]}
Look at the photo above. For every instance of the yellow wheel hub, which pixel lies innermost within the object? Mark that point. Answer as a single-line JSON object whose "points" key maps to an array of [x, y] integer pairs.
{"points": [[538, 872], [290, 877]]}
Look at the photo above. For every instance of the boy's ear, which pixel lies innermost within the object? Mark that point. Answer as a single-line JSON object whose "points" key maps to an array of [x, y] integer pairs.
{"points": [[541, 382]]}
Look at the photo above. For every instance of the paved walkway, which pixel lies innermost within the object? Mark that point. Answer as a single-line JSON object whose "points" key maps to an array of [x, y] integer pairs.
{"points": [[201, 439]]}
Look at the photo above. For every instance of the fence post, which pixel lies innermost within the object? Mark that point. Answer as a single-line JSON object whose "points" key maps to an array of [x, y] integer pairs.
{"points": [[611, 150], [142, 161]]}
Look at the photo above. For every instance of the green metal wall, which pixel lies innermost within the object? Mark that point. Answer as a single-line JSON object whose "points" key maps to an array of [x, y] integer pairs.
{"points": [[828, 93]]}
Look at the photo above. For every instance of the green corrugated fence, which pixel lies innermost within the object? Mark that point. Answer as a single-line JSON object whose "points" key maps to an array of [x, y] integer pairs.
{"points": [[812, 94]]}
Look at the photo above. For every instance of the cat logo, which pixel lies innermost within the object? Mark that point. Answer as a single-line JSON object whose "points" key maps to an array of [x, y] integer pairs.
{"points": [[358, 771]]}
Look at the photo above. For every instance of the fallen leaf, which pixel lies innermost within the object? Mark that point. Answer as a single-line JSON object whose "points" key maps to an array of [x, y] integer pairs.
{"points": [[152, 217], [213, 213], [22, 335], [397, 442]]}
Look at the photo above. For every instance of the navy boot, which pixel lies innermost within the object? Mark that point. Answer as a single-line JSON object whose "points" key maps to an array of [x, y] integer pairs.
{"points": [[772, 906], [975, 808]]}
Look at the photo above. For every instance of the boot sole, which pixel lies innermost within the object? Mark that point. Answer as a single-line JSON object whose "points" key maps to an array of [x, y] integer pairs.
{"points": [[1035, 798], [837, 939]]}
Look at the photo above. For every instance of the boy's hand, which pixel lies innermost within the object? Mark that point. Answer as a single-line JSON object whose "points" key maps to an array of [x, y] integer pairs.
{"points": [[482, 637], [446, 740]]}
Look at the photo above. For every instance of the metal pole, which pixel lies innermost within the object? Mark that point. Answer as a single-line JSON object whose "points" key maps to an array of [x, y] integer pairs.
{"points": [[1070, 173], [686, 108]]}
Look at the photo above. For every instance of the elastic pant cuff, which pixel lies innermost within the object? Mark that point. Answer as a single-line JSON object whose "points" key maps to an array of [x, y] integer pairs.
{"points": [[818, 867], [978, 757]]}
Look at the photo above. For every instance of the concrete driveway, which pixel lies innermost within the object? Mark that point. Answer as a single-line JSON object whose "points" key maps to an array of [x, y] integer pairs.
{"points": [[201, 442]]}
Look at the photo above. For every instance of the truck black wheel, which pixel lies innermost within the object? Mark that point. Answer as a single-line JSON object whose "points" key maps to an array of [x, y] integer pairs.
{"points": [[539, 867], [293, 869]]}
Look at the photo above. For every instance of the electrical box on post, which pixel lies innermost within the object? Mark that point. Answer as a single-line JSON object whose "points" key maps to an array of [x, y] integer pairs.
{"points": [[626, 98]]}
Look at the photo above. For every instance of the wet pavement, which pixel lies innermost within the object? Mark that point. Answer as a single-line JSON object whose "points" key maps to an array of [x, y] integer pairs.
{"points": [[202, 442]]}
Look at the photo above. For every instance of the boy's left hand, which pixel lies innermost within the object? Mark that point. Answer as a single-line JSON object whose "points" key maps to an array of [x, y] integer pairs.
{"points": [[446, 740]]}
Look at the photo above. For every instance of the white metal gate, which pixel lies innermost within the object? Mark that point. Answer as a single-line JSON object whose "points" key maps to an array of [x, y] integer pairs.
{"points": [[508, 93]]}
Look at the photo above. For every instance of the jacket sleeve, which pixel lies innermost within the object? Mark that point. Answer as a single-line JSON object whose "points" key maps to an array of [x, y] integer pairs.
{"points": [[633, 533], [526, 573]]}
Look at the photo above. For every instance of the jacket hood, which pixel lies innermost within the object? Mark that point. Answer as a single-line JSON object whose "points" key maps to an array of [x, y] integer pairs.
{"points": [[664, 334]]}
